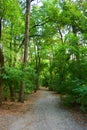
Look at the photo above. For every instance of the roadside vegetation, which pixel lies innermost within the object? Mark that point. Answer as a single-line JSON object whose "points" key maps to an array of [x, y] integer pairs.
{"points": [[44, 43]]}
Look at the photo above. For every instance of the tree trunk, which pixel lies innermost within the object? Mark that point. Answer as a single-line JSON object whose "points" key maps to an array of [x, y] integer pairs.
{"points": [[12, 93], [0, 27], [1, 79], [11, 86], [27, 22], [77, 55], [37, 58], [1, 68], [21, 93]]}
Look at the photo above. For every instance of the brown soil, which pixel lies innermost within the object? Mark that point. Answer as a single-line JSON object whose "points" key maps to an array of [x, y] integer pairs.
{"points": [[12, 111]]}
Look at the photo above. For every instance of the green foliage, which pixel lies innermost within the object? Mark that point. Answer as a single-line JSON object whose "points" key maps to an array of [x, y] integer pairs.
{"points": [[81, 94], [59, 69], [58, 45], [6, 93], [29, 77], [66, 79], [13, 76]]}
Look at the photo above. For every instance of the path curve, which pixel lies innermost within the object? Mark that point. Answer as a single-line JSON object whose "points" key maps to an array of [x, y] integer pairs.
{"points": [[46, 114]]}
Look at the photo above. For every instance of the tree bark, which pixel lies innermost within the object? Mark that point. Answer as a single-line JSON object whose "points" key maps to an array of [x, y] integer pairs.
{"points": [[77, 54], [0, 27], [27, 22], [12, 92], [1, 72], [1, 69], [11, 86], [37, 59]]}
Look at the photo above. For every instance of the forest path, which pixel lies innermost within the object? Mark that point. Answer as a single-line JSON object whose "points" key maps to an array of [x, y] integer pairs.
{"points": [[46, 113]]}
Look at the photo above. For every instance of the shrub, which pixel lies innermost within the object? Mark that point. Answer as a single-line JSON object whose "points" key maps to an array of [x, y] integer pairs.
{"points": [[81, 93]]}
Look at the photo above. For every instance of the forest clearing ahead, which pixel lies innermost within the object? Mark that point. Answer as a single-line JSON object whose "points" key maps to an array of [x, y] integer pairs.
{"points": [[42, 111]]}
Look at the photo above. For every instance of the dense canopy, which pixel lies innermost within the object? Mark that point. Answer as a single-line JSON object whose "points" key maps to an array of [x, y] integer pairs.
{"points": [[44, 43]]}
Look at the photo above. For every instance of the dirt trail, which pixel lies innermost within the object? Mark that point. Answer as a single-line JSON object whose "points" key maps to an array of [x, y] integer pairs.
{"points": [[46, 114]]}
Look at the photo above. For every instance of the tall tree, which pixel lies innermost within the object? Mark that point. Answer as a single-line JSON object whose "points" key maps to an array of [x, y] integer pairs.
{"points": [[1, 67], [27, 21], [37, 58]]}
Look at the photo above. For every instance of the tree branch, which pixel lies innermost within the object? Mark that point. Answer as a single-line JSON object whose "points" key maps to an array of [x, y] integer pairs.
{"points": [[40, 24], [61, 36]]}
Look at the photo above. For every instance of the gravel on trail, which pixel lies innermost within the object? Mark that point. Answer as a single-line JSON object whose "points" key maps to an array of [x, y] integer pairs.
{"points": [[46, 113]]}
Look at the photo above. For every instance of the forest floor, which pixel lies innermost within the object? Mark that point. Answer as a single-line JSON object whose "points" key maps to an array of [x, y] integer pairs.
{"points": [[43, 111]]}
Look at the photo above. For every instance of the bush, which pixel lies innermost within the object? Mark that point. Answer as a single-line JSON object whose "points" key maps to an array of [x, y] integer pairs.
{"points": [[13, 76], [81, 94]]}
